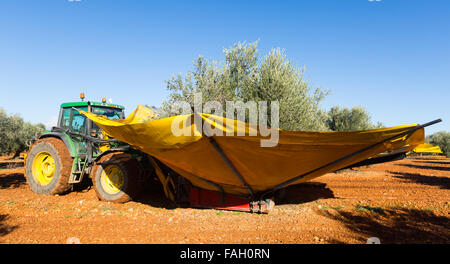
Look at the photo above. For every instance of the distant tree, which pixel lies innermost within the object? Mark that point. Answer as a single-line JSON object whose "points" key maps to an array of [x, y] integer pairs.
{"points": [[155, 110], [15, 133], [244, 76], [345, 119], [441, 139], [4, 122]]}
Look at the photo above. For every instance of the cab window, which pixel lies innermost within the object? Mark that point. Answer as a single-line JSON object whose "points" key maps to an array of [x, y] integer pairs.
{"points": [[73, 120], [110, 113]]}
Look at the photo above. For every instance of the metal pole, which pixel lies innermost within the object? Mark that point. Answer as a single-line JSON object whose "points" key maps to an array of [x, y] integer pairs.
{"points": [[230, 165], [225, 158]]}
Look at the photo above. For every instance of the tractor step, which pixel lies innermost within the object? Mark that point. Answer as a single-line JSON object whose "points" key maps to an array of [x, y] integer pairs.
{"points": [[75, 177], [78, 170]]}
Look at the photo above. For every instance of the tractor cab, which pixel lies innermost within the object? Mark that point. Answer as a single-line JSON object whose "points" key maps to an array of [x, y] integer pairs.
{"points": [[81, 129], [70, 118]]}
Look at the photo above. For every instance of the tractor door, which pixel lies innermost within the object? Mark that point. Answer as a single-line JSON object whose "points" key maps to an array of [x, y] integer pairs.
{"points": [[74, 121]]}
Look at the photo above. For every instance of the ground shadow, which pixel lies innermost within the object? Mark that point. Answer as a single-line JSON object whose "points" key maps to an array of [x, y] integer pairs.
{"points": [[434, 162], [11, 165], [14, 180], [303, 193], [442, 182], [428, 157], [153, 194], [425, 167], [395, 226], [4, 228], [84, 186]]}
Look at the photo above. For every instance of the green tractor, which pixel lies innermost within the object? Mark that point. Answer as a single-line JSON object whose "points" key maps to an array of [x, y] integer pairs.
{"points": [[62, 157]]}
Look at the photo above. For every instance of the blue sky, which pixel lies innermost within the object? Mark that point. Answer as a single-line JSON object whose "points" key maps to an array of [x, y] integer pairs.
{"points": [[390, 56]]}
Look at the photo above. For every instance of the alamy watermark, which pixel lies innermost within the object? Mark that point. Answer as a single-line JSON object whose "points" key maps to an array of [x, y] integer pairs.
{"points": [[234, 110], [373, 240]]}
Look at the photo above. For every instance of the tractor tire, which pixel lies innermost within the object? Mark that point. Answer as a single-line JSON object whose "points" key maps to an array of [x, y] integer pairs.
{"points": [[116, 177], [48, 167]]}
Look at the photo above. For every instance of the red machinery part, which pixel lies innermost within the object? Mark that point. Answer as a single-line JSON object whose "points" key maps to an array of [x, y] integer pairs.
{"points": [[210, 199]]}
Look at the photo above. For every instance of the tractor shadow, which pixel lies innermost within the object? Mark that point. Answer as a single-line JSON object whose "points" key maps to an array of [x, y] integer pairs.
{"points": [[10, 174], [11, 180], [394, 226]]}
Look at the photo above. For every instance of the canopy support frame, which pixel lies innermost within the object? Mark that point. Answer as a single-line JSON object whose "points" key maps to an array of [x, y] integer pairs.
{"points": [[219, 150], [409, 131]]}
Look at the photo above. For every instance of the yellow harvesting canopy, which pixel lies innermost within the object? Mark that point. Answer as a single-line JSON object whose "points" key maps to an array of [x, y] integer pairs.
{"points": [[427, 148], [194, 156]]}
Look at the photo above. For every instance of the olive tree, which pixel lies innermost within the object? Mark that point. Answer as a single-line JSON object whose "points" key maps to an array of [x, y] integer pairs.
{"points": [[345, 119], [15, 134], [245, 76], [441, 139]]}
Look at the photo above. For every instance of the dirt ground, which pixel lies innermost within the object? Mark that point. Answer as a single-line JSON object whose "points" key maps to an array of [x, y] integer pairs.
{"points": [[404, 201]]}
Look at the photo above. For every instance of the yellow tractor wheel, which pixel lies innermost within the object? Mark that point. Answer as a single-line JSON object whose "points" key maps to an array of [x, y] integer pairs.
{"points": [[43, 168], [48, 166], [112, 178], [116, 177]]}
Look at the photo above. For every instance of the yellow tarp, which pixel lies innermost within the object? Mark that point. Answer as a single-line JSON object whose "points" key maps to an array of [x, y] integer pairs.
{"points": [[262, 168], [427, 148]]}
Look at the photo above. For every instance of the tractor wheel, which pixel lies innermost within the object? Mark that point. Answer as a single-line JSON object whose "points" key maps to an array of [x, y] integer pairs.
{"points": [[48, 167], [116, 177]]}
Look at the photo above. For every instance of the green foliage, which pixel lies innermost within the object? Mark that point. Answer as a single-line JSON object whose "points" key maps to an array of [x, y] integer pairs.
{"points": [[366, 208], [441, 139], [345, 119], [15, 133], [244, 76]]}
